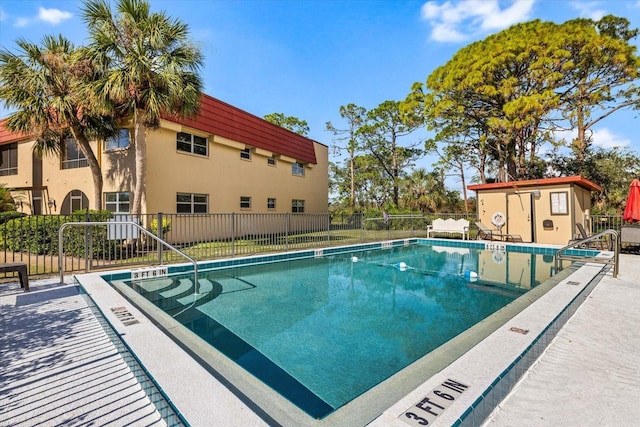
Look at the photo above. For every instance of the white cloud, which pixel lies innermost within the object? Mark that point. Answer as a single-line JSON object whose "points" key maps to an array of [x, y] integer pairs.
{"points": [[588, 9], [457, 21], [602, 137], [3, 14], [52, 16], [21, 22], [606, 139]]}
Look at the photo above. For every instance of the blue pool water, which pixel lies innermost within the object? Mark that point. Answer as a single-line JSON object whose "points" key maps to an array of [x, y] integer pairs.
{"points": [[321, 331]]}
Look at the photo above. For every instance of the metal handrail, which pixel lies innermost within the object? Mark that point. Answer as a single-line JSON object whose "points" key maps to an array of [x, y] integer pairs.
{"points": [[616, 250], [143, 230]]}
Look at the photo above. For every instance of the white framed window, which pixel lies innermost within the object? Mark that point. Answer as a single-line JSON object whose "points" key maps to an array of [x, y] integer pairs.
{"points": [[193, 144], [245, 202], [271, 203], [559, 205], [245, 154], [117, 202], [297, 169], [9, 159], [271, 161], [117, 142], [73, 156], [192, 203], [297, 206]]}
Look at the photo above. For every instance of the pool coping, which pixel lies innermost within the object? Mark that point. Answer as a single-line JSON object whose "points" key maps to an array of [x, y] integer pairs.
{"points": [[153, 347]]}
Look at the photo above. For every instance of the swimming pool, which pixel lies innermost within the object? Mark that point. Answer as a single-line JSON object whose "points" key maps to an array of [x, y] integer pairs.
{"points": [[333, 324]]}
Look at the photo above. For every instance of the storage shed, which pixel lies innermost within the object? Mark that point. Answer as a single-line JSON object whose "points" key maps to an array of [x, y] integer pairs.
{"points": [[540, 210]]}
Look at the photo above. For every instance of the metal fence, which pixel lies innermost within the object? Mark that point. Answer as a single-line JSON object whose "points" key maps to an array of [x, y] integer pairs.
{"points": [[599, 223], [34, 239]]}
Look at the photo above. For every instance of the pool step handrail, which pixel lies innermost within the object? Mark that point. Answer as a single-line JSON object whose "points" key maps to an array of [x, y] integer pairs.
{"points": [[615, 260], [141, 229]]}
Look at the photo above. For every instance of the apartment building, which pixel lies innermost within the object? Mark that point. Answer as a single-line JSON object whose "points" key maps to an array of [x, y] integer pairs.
{"points": [[221, 161]]}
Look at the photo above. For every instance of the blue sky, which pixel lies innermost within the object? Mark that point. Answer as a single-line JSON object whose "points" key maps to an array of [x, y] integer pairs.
{"points": [[306, 58]]}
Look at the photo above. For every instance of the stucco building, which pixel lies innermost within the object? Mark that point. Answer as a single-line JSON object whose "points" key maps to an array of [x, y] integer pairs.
{"points": [[221, 161], [539, 210]]}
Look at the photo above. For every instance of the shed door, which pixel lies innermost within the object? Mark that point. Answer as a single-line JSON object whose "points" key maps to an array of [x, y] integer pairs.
{"points": [[520, 215]]}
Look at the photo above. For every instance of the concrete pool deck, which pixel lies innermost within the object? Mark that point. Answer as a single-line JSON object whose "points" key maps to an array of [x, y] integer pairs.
{"points": [[51, 344]]}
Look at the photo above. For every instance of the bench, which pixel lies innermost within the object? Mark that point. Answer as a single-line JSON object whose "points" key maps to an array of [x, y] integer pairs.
{"points": [[451, 226], [19, 267]]}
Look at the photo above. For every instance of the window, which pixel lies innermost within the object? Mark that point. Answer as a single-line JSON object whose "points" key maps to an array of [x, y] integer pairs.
{"points": [[73, 156], [77, 201], [119, 141], [245, 202], [297, 169], [271, 203], [297, 206], [192, 203], [559, 203], [192, 144], [245, 154], [9, 159], [271, 161], [117, 202]]}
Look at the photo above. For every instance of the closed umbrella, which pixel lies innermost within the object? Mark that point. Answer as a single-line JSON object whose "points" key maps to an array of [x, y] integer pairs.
{"points": [[632, 209]]}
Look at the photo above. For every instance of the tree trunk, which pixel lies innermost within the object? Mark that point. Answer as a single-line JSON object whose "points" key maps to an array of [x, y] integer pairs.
{"points": [[353, 184], [94, 165], [140, 162]]}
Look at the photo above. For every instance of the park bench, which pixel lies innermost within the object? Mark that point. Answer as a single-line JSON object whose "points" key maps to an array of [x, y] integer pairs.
{"points": [[450, 226], [20, 268]]}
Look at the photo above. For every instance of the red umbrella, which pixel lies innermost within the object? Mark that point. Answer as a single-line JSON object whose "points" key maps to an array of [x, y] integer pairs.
{"points": [[632, 210]]}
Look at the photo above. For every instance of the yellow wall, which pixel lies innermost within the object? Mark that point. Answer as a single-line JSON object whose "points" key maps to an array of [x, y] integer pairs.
{"points": [[225, 177], [222, 175], [563, 230]]}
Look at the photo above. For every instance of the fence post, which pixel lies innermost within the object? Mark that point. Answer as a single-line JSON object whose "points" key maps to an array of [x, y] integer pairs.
{"points": [[160, 233], [328, 228], [286, 232], [233, 234], [361, 219], [86, 242]]}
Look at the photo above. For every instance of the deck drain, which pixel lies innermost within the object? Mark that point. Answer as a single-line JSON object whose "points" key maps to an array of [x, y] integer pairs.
{"points": [[124, 316], [572, 283], [519, 330]]}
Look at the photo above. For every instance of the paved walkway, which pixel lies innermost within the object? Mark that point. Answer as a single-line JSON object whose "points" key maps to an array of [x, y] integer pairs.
{"points": [[59, 368], [590, 373]]}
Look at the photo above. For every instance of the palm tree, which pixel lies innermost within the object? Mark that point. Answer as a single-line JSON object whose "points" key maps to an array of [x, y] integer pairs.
{"points": [[151, 69], [424, 191], [43, 84], [7, 203]]}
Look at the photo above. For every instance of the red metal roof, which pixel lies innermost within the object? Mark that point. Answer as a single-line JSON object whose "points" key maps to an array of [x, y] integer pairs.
{"points": [[219, 118], [577, 180], [6, 136]]}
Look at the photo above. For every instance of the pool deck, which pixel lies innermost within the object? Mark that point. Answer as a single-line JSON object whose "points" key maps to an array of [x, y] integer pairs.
{"points": [[59, 367]]}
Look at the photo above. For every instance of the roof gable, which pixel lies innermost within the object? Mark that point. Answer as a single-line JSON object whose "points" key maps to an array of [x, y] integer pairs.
{"points": [[577, 180]]}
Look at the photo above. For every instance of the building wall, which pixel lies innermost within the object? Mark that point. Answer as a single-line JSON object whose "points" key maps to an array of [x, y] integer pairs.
{"points": [[222, 175], [563, 228]]}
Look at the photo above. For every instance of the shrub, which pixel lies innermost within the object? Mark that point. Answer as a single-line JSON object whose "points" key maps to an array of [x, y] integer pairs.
{"points": [[166, 225], [38, 234]]}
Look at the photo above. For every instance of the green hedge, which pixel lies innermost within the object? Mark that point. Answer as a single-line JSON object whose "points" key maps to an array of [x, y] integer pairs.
{"points": [[38, 234]]}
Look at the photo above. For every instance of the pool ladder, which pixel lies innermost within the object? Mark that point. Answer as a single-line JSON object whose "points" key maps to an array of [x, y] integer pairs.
{"points": [[142, 230], [614, 245]]}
